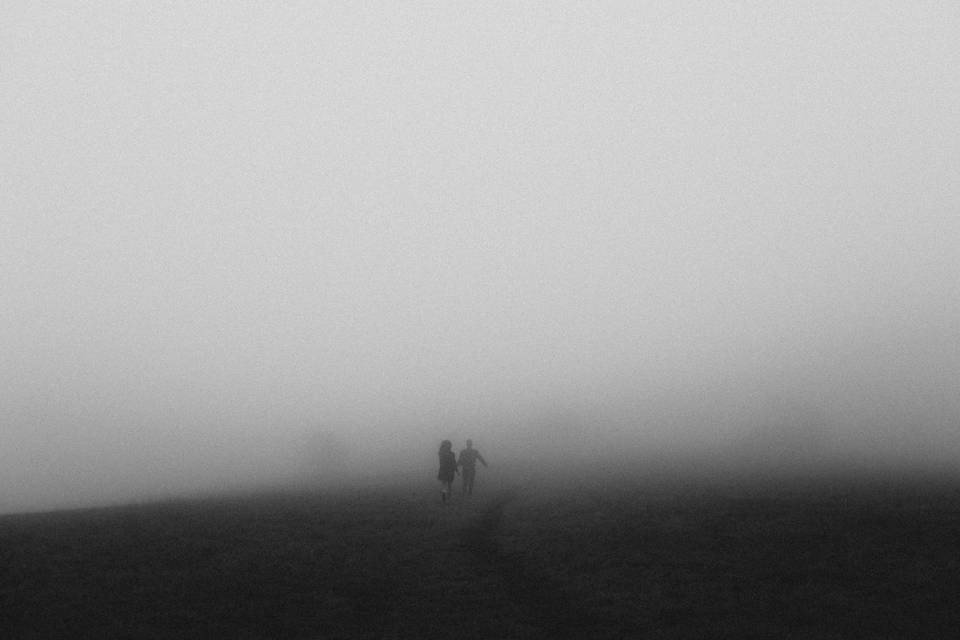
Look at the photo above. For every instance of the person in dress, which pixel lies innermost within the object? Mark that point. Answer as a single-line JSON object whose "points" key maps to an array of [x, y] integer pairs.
{"points": [[448, 469]]}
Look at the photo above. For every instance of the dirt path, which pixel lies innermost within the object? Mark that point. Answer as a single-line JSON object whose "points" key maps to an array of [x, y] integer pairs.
{"points": [[547, 608], [449, 590], [464, 584]]}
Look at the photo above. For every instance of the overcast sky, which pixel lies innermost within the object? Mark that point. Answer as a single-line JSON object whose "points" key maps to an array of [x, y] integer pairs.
{"points": [[234, 232]]}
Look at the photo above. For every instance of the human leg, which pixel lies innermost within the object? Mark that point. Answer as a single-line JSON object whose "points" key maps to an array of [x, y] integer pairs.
{"points": [[468, 476]]}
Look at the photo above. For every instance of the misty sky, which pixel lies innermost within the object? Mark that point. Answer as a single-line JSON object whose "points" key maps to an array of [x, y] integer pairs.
{"points": [[232, 234]]}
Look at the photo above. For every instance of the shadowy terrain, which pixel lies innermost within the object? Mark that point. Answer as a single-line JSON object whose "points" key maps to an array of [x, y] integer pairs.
{"points": [[625, 557]]}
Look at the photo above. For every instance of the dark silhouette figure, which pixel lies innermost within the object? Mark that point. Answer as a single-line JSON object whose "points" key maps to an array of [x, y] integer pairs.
{"points": [[448, 469], [468, 460]]}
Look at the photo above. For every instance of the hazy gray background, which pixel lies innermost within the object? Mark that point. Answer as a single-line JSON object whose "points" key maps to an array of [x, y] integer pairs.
{"points": [[241, 241]]}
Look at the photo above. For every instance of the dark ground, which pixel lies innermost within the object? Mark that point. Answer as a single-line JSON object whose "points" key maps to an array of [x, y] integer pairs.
{"points": [[646, 558]]}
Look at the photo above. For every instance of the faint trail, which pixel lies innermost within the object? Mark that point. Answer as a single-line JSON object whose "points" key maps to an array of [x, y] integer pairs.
{"points": [[548, 607], [444, 591]]}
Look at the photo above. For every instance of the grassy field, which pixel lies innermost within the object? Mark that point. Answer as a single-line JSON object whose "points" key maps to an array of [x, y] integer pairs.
{"points": [[615, 558]]}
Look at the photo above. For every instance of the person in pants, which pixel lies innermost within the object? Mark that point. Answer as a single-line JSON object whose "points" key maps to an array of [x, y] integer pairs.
{"points": [[468, 462]]}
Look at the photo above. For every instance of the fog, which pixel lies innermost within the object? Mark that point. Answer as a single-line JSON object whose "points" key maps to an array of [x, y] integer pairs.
{"points": [[248, 242]]}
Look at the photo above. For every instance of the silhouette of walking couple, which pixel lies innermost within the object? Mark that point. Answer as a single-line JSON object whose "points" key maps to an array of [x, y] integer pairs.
{"points": [[450, 465]]}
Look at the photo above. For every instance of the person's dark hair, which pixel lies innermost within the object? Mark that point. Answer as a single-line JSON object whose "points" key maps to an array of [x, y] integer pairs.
{"points": [[446, 445]]}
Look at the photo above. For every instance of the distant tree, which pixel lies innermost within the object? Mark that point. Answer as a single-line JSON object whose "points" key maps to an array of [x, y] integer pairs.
{"points": [[789, 434], [330, 453]]}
